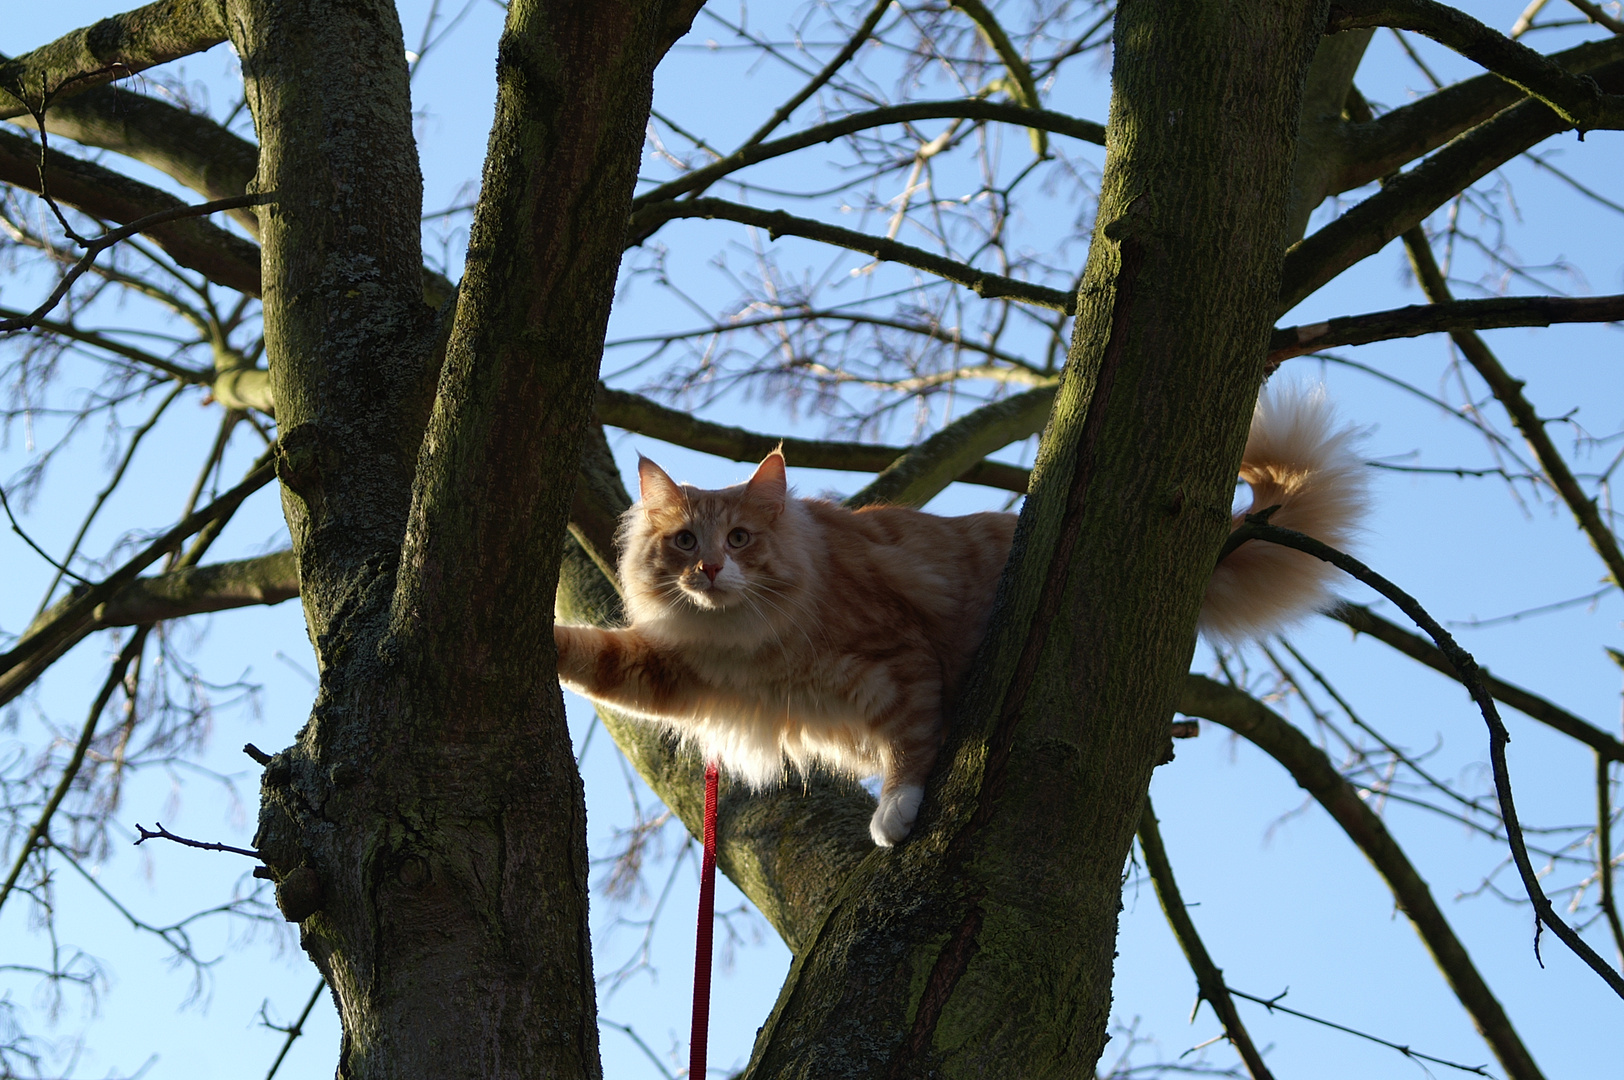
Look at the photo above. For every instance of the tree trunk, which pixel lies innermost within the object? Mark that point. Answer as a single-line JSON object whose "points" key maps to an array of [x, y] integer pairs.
{"points": [[983, 946], [427, 830]]}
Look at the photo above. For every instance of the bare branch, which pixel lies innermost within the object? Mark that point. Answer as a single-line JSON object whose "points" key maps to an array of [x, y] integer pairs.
{"points": [[1208, 976], [1604, 853], [1363, 620], [1443, 315], [777, 223], [161, 833], [1508, 392], [1256, 528], [633, 412], [101, 243], [111, 49], [1408, 198], [197, 245], [1020, 84], [1313, 771], [1576, 99], [962, 109], [39, 832], [68, 621]]}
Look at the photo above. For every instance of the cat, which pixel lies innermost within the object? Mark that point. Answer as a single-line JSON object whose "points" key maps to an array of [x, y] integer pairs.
{"points": [[766, 626]]}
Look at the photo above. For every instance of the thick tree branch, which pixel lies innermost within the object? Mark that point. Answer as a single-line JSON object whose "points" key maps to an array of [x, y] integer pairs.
{"points": [[1208, 976], [1509, 393], [1576, 99], [1364, 621], [1407, 199], [1375, 148], [633, 412], [111, 49], [962, 109], [924, 470], [192, 242], [777, 223], [1443, 315], [1314, 772], [1470, 675]]}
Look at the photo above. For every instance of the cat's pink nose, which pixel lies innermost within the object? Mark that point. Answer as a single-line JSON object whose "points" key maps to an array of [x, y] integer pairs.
{"points": [[711, 570]]}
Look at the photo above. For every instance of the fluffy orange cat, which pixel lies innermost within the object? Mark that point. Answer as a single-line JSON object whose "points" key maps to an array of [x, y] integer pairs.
{"points": [[765, 626]]}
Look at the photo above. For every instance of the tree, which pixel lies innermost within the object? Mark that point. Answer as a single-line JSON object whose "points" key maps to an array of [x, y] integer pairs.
{"points": [[443, 470]]}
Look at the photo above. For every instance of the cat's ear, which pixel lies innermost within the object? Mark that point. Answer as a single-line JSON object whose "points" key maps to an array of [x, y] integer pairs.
{"points": [[769, 484], [659, 491]]}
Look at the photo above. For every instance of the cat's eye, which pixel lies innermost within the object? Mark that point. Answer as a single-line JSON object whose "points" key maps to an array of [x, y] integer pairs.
{"points": [[685, 540], [738, 538]]}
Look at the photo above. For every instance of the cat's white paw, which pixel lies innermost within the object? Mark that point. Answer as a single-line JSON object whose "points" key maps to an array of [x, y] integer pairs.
{"points": [[894, 819]]}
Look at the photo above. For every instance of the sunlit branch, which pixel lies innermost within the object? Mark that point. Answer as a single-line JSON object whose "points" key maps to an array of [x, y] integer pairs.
{"points": [[1209, 977], [1315, 773], [1443, 315], [1256, 528], [777, 223], [920, 474], [1576, 99], [1509, 393], [113, 48], [1595, 14], [1408, 198], [914, 384], [1019, 84], [1363, 620], [959, 109], [633, 412]]}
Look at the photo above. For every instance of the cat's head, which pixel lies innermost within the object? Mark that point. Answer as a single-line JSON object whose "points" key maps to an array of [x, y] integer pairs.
{"points": [[687, 548]]}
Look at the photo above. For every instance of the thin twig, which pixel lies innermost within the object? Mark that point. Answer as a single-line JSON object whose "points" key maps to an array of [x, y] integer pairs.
{"points": [[162, 833], [1209, 978], [29, 540], [106, 240], [1508, 392], [1256, 528], [296, 1029], [1273, 1005], [1604, 853]]}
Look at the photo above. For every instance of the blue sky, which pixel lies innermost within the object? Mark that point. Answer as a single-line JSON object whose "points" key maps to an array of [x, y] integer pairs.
{"points": [[1283, 900]]}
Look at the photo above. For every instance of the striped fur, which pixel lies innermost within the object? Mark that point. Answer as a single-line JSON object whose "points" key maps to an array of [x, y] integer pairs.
{"points": [[766, 627]]}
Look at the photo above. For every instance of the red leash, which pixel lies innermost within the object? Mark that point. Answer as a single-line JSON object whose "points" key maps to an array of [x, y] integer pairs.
{"points": [[702, 939]]}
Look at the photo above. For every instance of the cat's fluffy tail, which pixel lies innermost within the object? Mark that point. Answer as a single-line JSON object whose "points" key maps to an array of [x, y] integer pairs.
{"points": [[1298, 459]]}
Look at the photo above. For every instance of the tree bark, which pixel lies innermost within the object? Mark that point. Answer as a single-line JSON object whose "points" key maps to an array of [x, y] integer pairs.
{"points": [[427, 830], [987, 939]]}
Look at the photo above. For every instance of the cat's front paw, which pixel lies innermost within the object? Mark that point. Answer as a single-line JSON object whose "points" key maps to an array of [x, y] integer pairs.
{"points": [[894, 819]]}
